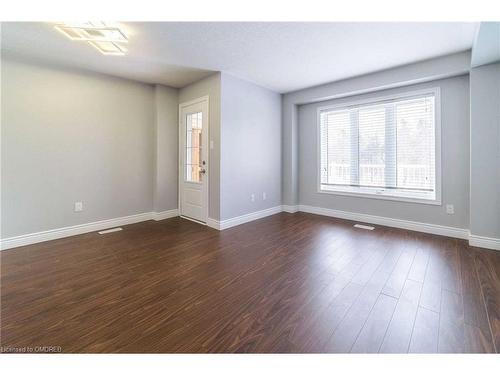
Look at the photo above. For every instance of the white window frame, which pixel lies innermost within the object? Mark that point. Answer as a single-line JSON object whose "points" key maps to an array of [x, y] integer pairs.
{"points": [[380, 193]]}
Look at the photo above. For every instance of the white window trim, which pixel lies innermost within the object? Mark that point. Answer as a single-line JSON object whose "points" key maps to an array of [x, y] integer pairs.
{"points": [[363, 192]]}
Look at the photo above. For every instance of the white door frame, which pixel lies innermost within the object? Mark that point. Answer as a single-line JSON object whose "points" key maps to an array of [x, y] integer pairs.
{"points": [[181, 157]]}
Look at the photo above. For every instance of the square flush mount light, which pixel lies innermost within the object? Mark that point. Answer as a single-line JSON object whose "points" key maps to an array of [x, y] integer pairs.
{"points": [[108, 48], [105, 39]]}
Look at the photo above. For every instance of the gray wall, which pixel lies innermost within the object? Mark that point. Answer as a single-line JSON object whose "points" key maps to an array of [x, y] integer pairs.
{"points": [[165, 195], [250, 147], [485, 151], [441, 67], [72, 136], [210, 86], [454, 164]]}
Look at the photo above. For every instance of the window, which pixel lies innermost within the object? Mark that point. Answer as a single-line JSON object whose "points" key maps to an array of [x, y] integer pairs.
{"points": [[193, 147], [386, 148]]}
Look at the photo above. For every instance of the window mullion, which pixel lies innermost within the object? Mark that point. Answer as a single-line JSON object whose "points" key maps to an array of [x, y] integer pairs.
{"points": [[390, 147], [327, 125], [354, 117]]}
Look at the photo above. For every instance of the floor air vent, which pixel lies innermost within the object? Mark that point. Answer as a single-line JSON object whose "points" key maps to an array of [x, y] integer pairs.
{"points": [[361, 226], [110, 230]]}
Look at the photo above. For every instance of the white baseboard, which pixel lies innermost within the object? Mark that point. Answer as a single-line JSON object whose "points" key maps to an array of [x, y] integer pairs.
{"points": [[290, 209], [486, 242], [389, 222], [53, 234], [212, 223], [228, 223], [474, 240], [165, 214]]}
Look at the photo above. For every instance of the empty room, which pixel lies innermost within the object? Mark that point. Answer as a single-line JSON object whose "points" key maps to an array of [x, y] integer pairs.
{"points": [[250, 187]]}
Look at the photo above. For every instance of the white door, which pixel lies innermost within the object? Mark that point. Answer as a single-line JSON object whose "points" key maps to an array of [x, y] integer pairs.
{"points": [[193, 157]]}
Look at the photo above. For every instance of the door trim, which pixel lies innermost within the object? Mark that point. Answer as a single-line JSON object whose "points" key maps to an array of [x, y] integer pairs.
{"points": [[180, 175]]}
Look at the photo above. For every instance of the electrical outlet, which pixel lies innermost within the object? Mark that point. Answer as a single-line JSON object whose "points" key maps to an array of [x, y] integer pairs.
{"points": [[252, 197], [78, 206], [450, 209], [264, 196]]}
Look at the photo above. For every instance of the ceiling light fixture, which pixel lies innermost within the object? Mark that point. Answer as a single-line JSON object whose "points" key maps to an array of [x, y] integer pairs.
{"points": [[109, 34], [108, 48], [105, 39]]}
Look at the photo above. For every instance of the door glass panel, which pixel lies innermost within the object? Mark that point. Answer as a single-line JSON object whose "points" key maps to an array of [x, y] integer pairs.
{"points": [[193, 160]]}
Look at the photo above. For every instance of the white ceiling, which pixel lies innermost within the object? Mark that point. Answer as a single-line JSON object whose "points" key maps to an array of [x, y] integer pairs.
{"points": [[487, 44], [278, 55]]}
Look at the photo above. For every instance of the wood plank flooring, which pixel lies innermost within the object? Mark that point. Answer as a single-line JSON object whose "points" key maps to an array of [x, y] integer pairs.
{"points": [[288, 283]]}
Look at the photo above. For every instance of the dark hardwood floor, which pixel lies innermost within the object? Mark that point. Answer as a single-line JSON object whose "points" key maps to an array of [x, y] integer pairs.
{"points": [[286, 283]]}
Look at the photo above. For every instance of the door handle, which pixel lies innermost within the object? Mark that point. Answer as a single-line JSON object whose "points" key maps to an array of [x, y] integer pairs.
{"points": [[203, 171]]}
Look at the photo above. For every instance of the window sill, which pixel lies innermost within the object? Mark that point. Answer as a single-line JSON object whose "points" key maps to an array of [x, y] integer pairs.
{"points": [[373, 193]]}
